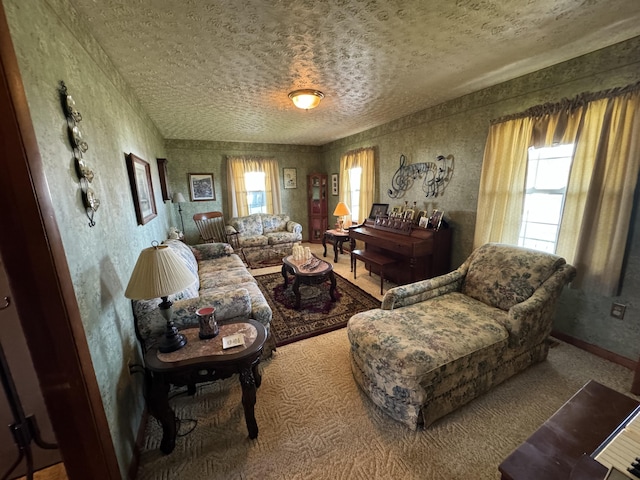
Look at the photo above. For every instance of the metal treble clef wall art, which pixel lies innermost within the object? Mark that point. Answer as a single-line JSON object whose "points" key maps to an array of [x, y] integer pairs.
{"points": [[435, 176], [79, 146]]}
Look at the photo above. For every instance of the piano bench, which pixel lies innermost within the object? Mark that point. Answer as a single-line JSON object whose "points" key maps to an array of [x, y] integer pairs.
{"points": [[371, 258]]}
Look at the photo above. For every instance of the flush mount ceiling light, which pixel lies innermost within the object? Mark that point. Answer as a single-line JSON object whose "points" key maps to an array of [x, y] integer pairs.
{"points": [[306, 98]]}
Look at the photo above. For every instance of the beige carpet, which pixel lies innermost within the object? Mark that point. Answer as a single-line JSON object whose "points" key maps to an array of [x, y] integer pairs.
{"points": [[316, 424]]}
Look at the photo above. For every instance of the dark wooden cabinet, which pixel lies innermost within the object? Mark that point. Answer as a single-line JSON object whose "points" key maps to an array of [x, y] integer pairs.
{"points": [[317, 203]]}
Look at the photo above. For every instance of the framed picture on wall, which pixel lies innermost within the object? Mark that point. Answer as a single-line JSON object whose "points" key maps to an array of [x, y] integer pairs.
{"points": [[290, 176], [334, 184], [162, 172], [141, 189], [201, 187]]}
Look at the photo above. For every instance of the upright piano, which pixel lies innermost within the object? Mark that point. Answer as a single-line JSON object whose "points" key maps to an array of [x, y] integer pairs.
{"points": [[420, 254]]}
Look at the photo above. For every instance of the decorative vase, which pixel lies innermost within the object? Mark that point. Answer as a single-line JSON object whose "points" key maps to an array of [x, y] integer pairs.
{"points": [[208, 324]]}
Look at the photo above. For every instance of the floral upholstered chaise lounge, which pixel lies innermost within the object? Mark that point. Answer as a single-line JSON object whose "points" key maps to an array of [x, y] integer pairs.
{"points": [[437, 344]]}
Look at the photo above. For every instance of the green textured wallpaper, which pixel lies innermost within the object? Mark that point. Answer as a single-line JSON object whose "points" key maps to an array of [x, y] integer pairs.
{"points": [[460, 127], [184, 157], [456, 128], [52, 44]]}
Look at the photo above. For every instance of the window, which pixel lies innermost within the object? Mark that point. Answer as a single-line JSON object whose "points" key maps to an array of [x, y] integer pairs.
{"points": [[547, 177], [253, 186], [256, 192], [357, 182], [354, 181], [597, 203]]}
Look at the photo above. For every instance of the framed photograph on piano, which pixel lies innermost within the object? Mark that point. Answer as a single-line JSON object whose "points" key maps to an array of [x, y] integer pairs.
{"points": [[422, 214], [378, 210], [396, 212], [436, 219]]}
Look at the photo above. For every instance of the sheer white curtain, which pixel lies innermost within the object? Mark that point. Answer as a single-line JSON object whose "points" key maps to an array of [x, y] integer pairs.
{"points": [[237, 167], [502, 182], [605, 128], [604, 178], [363, 158]]}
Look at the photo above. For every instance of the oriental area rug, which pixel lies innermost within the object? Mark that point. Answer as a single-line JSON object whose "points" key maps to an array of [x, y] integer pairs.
{"points": [[258, 259], [317, 313]]}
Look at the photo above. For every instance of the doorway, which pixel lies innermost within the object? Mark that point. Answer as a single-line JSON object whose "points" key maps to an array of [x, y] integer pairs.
{"points": [[41, 288], [23, 375]]}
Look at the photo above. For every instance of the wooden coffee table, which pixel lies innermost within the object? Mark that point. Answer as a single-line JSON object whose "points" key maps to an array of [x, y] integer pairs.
{"points": [[308, 276], [204, 361]]}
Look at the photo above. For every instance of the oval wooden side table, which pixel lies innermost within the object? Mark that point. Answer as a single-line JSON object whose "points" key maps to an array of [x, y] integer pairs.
{"points": [[203, 361]]}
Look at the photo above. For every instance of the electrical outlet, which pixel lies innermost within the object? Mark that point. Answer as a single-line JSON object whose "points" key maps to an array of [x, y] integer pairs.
{"points": [[617, 310]]}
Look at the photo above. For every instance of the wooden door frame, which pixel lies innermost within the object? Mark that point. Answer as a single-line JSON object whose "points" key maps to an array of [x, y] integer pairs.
{"points": [[43, 291]]}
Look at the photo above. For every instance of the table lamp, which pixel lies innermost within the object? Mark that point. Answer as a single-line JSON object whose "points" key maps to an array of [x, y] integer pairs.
{"points": [[159, 272], [340, 211]]}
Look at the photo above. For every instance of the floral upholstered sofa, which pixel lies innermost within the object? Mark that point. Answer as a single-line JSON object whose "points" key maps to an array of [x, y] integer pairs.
{"points": [[263, 236], [436, 344], [222, 282]]}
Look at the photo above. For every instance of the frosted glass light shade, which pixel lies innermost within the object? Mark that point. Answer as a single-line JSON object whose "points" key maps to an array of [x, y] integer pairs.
{"points": [[159, 272], [306, 98], [341, 209]]}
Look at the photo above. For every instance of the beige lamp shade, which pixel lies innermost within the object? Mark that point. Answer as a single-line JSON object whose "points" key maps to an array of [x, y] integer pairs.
{"points": [[341, 209], [178, 198], [159, 272]]}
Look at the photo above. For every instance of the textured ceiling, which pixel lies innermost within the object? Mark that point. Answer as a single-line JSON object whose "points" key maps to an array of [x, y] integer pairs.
{"points": [[222, 69]]}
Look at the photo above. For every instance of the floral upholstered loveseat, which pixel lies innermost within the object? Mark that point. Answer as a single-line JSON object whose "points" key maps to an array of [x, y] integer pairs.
{"points": [[263, 236], [436, 344], [222, 282]]}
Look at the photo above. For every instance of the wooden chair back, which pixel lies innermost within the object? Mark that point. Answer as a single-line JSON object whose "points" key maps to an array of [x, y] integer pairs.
{"points": [[211, 227]]}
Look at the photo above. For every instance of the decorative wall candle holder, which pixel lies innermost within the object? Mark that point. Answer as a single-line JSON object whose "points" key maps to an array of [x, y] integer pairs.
{"points": [[80, 147]]}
